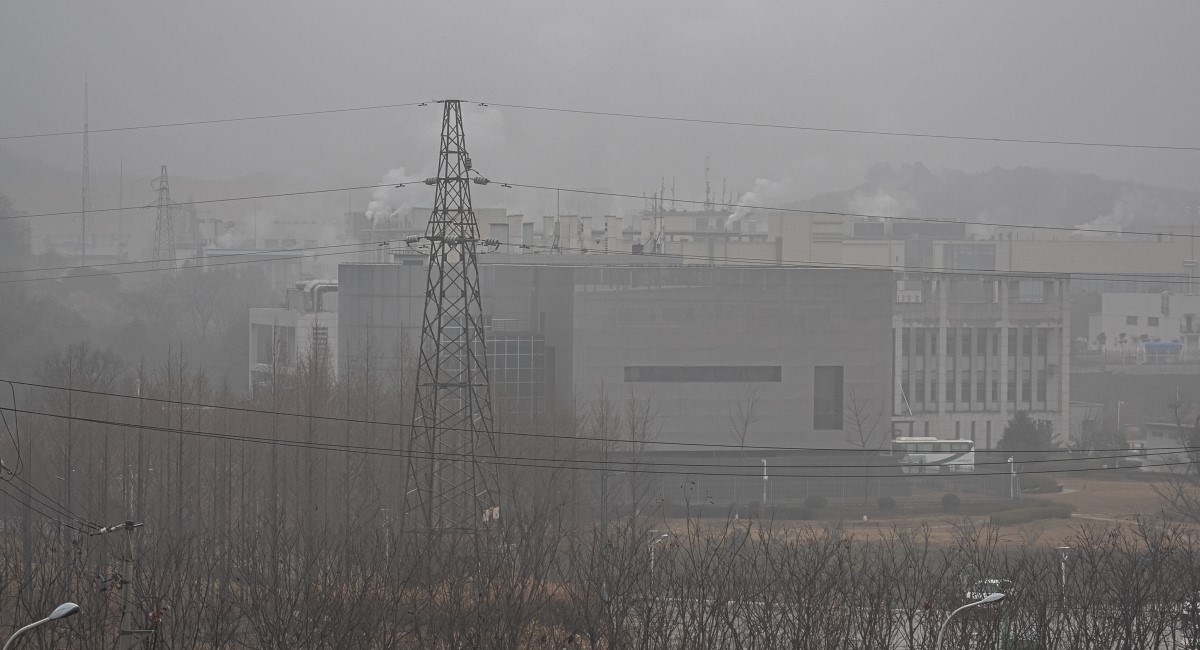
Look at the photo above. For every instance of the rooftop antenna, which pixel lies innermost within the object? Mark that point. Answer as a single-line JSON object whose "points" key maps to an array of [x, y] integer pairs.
{"points": [[556, 245], [708, 203]]}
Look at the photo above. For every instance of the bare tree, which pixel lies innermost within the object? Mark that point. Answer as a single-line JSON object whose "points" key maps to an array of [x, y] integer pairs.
{"points": [[742, 416], [863, 418]]}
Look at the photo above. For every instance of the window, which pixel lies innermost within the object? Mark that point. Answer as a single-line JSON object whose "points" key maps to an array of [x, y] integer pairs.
{"points": [[1031, 291], [904, 334], [966, 341], [1041, 391], [920, 335], [1012, 341], [919, 387], [691, 374], [980, 386], [1152, 321], [827, 397], [1043, 341], [1131, 320], [950, 392]]}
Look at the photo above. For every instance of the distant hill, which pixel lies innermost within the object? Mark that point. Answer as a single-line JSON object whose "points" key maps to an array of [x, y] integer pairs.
{"points": [[1024, 195]]}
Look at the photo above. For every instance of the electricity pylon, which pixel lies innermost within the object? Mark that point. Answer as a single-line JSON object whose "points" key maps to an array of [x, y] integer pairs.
{"points": [[451, 479], [164, 226]]}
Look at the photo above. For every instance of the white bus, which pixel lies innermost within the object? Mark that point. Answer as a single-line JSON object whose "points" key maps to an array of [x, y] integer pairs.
{"points": [[934, 456]]}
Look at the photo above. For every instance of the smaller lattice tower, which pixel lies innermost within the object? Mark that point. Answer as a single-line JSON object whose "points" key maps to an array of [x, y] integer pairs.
{"points": [[164, 226]]}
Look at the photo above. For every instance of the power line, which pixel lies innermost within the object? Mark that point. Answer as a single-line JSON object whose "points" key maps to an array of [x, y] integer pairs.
{"points": [[625, 195], [192, 258], [626, 115], [770, 263], [225, 120], [206, 265], [388, 423], [835, 213], [227, 199], [820, 129], [536, 461]]}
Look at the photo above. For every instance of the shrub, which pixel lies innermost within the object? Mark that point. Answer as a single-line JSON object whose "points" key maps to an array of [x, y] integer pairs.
{"points": [[1039, 483], [951, 502], [886, 503], [1032, 513], [815, 502]]}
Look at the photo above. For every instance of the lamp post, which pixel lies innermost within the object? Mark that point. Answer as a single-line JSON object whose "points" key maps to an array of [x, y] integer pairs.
{"points": [[62, 611], [1119, 405], [1012, 479], [764, 462], [652, 545], [988, 599], [1064, 552]]}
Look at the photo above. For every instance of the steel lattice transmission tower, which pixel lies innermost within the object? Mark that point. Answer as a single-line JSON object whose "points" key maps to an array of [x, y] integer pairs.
{"points": [[451, 479], [164, 226]]}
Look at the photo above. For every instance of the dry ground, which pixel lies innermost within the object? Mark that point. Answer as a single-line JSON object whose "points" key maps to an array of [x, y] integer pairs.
{"points": [[1097, 502]]}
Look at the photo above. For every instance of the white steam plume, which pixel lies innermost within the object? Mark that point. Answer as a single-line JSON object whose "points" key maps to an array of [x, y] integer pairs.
{"points": [[390, 201]]}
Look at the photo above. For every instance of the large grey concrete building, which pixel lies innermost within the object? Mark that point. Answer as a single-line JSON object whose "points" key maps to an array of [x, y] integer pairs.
{"points": [[689, 341]]}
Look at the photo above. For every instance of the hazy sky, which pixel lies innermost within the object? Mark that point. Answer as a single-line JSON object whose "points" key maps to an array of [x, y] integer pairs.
{"points": [[1101, 71]]}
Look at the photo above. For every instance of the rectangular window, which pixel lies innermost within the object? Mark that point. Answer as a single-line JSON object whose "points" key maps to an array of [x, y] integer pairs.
{"points": [[995, 341], [700, 374], [920, 336], [904, 342], [919, 387], [1031, 291], [951, 342], [965, 395], [1152, 321], [1012, 341], [1043, 341], [827, 398], [1131, 320], [1026, 387], [980, 386], [950, 392], [1041, 391], [1026, 341], [966, 341]]}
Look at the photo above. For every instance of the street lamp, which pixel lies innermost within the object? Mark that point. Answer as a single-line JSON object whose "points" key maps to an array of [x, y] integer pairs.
{"points": [[652, 545], [62, 611], [1012, 479], [986, 600], [1119, 405], [764, 462]]}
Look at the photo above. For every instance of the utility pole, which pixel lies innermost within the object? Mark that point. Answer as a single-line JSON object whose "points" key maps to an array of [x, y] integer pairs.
{"points": [[451, 483], [164, 225], [83, 207], [127, 636]]}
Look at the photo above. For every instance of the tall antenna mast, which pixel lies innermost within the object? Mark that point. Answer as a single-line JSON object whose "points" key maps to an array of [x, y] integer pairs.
{"points": [[83, 204], [451, 483], [121, 210], [164, 225]]}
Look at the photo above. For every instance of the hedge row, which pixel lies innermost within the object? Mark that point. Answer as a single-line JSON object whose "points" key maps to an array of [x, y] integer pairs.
{"points": [[1032, 513]]}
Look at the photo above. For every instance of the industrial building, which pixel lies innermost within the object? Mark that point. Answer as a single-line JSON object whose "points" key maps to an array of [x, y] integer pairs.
{"points": [[688, 341]]}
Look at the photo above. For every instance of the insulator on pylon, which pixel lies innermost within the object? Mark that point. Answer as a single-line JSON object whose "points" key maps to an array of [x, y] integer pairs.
{"points": [[467, 161], [432, 180], [412, 239], [480, 180]]}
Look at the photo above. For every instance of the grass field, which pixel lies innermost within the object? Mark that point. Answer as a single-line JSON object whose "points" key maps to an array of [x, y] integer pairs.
{"points": [[1103, 502]]}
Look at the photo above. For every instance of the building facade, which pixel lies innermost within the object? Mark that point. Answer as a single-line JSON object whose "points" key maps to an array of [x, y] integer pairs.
{"points": [[687, 342], [972, 350]]}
